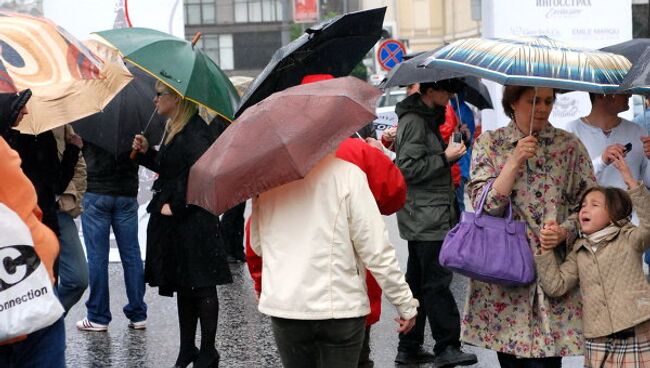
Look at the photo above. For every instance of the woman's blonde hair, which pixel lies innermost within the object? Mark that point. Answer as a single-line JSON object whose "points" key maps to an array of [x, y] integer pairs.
{"points": [[185, 109]]}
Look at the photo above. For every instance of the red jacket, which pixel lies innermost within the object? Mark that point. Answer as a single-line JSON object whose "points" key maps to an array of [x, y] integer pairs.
{"points": [[446, 129], [387, 186]]}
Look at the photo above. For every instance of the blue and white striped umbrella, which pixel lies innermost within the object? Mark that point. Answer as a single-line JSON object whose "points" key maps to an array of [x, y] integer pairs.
{"points": [[533, 61]]}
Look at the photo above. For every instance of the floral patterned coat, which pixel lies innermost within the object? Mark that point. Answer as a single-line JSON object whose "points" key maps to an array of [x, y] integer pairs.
{"points": [[522, 320]]}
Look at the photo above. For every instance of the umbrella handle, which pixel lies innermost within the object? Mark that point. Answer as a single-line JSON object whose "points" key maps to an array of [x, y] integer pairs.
{"points": [[134, 154], [196, 37]]}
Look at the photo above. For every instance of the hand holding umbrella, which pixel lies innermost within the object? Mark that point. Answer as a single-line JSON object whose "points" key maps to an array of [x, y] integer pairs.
{"points": [[140, 145], [134, 152]]}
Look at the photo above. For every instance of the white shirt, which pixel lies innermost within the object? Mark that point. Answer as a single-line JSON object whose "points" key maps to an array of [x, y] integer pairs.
{"points": [[596, 142]]}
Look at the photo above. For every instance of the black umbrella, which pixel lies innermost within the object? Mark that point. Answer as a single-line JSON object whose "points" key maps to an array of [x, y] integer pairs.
{"points": [[333, 47], [129, 113], [408, 72], [637, 79], [631, 49]]}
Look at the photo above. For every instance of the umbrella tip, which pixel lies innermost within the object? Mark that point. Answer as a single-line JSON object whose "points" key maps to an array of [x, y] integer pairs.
{"points": [[196, 38]]}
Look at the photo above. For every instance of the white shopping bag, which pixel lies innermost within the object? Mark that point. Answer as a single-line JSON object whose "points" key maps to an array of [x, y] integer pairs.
{"points": [[27, 301]]}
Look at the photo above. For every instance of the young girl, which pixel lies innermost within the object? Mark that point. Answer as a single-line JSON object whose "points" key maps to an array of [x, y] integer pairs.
{"points": [[606, 262]]}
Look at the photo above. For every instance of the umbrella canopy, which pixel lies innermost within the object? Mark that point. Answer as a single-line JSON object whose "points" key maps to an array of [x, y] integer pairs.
{"points": [[333, 47], [131, 112], [177, 63], [409, 72], [67, 81], [533, 61], [632, 49], [279, 140], [637, 79], [241, 83]]}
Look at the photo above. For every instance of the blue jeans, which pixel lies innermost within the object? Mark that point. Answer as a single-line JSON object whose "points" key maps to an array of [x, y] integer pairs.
{"points": [[73, 268], [44, 348], [101, 212]]}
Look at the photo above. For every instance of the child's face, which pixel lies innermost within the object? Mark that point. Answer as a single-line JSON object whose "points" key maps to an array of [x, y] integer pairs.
{"points": [[593, 215]]}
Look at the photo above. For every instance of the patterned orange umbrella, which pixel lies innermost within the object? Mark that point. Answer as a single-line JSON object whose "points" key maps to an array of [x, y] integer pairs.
{"points": [[67, 81]]}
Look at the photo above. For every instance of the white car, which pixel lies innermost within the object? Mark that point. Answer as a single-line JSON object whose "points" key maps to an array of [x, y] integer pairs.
{"points": [[385, 109]]}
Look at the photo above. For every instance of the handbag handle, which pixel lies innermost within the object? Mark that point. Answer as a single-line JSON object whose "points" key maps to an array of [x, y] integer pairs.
{"points": [[486, 189]]}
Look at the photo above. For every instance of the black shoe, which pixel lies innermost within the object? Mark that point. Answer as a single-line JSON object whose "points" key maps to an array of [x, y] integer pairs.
{"points": [[207, 360], [453, 356], [184, 360], [414, 357]]}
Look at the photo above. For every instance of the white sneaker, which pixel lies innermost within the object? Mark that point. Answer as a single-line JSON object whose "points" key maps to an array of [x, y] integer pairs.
{"points": [[86, 325], [138, 325]]}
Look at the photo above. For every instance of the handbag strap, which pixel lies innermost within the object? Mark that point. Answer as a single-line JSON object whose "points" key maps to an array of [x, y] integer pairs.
{"points": [[486, 189]]}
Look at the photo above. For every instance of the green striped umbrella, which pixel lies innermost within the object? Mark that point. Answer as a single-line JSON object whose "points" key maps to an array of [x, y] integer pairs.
{"points": [[179, 64]]}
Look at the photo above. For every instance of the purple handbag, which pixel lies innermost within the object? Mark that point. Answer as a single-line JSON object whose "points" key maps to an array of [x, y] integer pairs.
{"points": [[489, 249]]}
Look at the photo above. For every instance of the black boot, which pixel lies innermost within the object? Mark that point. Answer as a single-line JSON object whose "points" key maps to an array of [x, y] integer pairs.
{"points": [[207, 360], [418, 356], [453, 356], [185, 358]]}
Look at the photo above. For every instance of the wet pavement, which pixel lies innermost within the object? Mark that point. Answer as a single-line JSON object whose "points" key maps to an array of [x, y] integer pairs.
{"points": [[244, 337]]}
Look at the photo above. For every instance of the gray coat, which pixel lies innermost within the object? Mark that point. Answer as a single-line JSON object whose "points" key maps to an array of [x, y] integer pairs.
{"points": [[430, 210]]}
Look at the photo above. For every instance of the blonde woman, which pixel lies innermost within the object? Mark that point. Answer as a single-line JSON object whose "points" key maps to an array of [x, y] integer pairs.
{"points": [[183, 250]]}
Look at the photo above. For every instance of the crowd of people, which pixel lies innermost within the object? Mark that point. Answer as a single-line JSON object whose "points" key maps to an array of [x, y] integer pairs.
{"points": [[318, 250]]}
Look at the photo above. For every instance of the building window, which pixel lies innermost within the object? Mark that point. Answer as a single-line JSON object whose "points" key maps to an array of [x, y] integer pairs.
{"points": [[255, 11], [199, 12], [219, 48]]}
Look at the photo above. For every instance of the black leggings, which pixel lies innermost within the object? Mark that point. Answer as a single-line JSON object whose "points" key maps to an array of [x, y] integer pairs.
{"points": [[194, 305], [511, 361]]}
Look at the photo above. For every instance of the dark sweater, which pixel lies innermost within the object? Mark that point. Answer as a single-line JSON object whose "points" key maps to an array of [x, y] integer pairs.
{"points": [[108, 174]]}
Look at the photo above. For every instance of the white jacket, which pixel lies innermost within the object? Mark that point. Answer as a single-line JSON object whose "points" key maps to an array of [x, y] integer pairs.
{"points": [[317, 236]]}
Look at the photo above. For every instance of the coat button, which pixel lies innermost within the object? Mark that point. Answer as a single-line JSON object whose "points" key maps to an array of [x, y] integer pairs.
{"points": [[538, 194]]}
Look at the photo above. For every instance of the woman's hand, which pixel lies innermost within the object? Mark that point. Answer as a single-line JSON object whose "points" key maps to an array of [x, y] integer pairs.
{"points": [[621, 165], [140, 144], [525, 149], [551, 235], [166, 210], [405, 325], [74, 139]]}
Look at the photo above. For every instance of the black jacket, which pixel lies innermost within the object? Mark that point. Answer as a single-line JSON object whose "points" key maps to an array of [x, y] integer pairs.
{"points": [[184, 250], [40, 162], [108, 174]]}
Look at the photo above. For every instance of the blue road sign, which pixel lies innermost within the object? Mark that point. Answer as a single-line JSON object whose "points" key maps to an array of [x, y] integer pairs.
{"points": [[390, 53]]}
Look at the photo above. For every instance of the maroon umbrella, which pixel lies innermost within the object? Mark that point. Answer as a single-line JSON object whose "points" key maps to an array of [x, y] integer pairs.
{"points": [[279, 140]]}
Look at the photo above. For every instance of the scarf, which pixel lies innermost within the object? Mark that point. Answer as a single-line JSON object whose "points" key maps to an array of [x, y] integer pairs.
{"points": [[597, 237]]}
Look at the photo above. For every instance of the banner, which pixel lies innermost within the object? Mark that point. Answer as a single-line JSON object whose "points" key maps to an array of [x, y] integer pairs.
{"points": [[84, 17], [305, 11], [581, 23]]}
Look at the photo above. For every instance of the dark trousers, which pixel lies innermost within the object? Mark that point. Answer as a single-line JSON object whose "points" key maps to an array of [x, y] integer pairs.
{"points": [[511, 361], [330, 343], [364, 358], [232, 230], [429, 283]]}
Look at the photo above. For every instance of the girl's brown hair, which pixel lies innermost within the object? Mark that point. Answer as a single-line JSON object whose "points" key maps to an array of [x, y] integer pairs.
{"points": [[513, 93], [617, 203]]}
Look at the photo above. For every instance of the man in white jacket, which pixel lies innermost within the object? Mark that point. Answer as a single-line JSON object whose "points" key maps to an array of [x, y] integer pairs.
{"points": [[317, 236]]}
